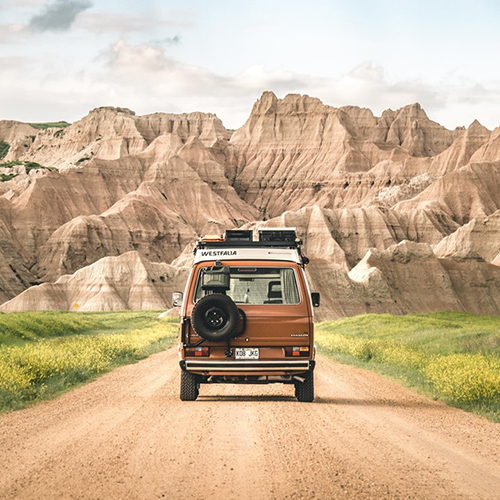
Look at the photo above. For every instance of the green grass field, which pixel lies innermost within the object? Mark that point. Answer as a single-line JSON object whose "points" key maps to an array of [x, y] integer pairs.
{"points": [[454, 357], [45, 125], [45, 353]]}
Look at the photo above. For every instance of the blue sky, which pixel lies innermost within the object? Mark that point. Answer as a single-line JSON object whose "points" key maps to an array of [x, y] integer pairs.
{"points": [[61, 58]]}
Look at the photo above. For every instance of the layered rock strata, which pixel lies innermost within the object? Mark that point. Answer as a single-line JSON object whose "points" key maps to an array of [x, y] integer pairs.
{"points": [[397, 213]]}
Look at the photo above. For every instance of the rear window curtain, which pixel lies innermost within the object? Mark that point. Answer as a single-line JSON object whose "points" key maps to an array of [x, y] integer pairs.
{"points": [[289, 287]]}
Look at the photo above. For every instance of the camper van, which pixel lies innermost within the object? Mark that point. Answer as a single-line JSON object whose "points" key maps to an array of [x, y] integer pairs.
{"points": [[247, 313]]}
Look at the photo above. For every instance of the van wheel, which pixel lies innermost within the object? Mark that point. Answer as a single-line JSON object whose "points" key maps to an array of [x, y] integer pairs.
{"points": [[304, 391], [189, 386]]}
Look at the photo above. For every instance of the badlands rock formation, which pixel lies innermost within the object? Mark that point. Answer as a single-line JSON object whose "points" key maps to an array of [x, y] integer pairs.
{"points": [[397, 213], [12, 131], [113, 283], [479, 239]]}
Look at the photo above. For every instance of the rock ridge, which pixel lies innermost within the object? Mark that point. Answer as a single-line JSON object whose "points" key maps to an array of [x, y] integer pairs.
{"points": [[397, 213]]}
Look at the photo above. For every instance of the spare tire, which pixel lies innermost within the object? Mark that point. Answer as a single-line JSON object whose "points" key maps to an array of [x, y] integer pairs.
{"points": [[215, 317]]}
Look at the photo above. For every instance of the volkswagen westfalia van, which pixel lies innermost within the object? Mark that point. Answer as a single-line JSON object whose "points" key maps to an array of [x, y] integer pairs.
{"points": [[247, 313]]}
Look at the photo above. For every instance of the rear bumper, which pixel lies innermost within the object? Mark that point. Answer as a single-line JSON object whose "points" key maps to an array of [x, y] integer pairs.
{"points": [[247, 367]]}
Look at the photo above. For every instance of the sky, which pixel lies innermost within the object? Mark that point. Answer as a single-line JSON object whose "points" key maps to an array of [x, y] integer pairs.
{"points": [[61, 58]]}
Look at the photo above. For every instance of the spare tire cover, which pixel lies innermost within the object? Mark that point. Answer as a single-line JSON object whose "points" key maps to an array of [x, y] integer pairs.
{"points": [[215, 317]]}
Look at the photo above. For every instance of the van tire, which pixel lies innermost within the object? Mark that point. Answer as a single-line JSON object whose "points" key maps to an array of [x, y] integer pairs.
{"points": [[304, 391], [189, 386], [224, 309]]}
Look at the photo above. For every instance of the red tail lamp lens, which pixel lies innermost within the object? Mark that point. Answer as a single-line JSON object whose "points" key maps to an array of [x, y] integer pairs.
{"points": [[198, 352], [297, 352]]}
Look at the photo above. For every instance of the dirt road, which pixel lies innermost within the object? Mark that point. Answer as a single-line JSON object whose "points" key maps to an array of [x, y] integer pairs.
{"points": [[128, 436]]}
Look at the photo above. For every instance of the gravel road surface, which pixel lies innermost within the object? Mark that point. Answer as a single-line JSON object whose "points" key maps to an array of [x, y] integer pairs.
{"points": [[128, 436]]}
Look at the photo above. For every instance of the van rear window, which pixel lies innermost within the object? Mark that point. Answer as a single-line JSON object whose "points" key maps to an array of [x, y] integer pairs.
{"points": [[260, 285]]}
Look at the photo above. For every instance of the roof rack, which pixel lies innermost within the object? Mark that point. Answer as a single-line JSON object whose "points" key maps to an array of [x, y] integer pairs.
{"points": [[269, 237], [238, 238], [269, 234]]}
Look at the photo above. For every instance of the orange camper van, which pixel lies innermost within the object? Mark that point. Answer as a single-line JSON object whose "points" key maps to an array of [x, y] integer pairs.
{"points": [[247, 313]]}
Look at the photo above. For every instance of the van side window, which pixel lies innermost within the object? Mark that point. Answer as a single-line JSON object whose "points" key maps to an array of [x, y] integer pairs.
{"points": [[259, 285]]}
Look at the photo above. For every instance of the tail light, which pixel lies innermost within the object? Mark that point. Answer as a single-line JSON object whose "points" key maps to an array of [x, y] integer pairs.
{"points": [[297, 352], [198, 352]]}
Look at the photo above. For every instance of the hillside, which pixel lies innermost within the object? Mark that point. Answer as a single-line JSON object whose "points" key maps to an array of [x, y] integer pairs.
{"points": [[398, 214]]}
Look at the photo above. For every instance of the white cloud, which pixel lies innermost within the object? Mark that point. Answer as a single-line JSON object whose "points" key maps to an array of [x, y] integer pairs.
{"points": [[368, 85], [103, 22], [163, 79], [22, 3], [453, 102], [12, 32], [146, 78]]}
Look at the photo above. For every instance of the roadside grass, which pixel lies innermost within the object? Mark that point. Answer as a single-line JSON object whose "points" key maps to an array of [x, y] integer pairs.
{"points": [[454, 357], [43, 354]]}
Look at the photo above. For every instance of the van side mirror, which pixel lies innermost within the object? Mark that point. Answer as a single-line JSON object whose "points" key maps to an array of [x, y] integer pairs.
{"points": [[177, 299], [315, 299]]}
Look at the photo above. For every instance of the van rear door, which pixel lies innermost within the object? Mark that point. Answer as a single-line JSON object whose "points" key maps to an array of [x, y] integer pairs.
{"points": [[274, 297]]}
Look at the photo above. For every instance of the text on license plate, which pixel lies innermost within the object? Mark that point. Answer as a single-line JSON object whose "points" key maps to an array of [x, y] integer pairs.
{"points": [[246, 353]]}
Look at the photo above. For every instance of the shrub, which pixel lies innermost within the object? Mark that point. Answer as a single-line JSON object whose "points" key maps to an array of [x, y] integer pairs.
{"points": [[4, 149]]}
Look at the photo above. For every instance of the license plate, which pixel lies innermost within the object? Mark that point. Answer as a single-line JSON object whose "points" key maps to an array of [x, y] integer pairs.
{"points": [[246, 353]]}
